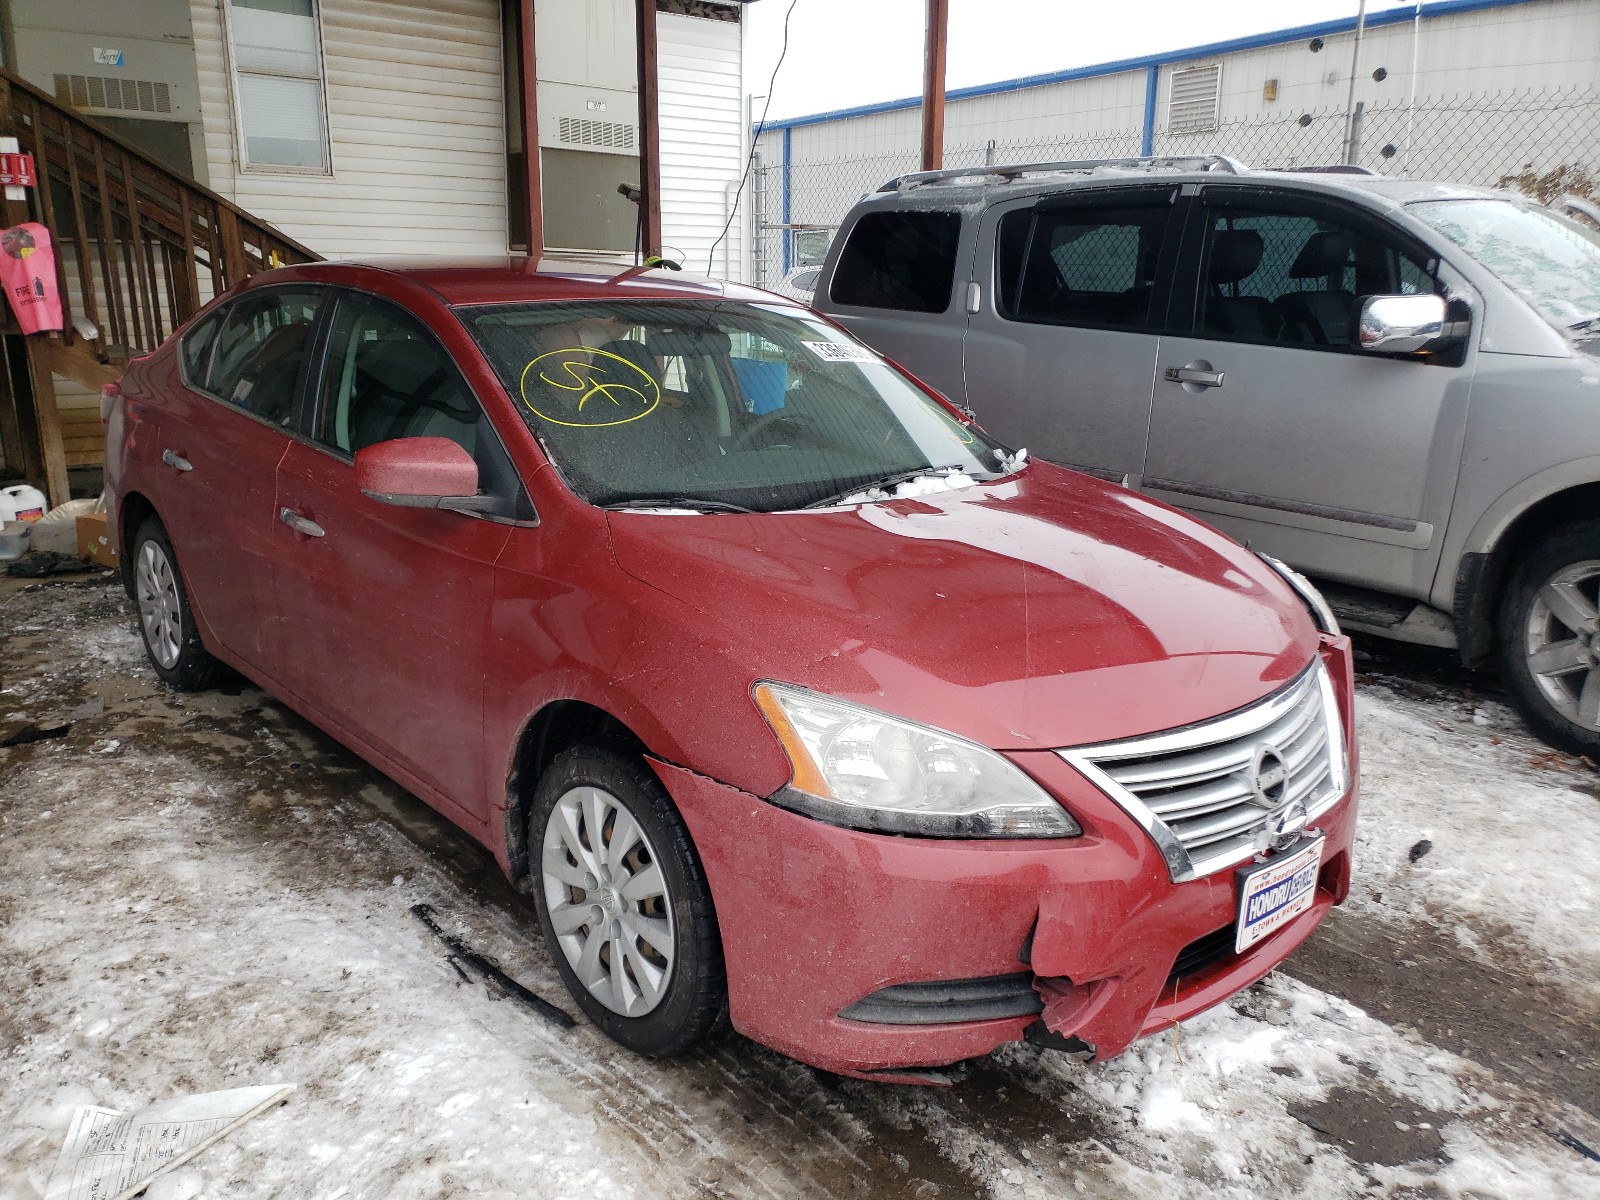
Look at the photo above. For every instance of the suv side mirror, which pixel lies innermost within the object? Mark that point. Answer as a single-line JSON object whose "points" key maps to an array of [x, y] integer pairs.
{"points": [[421, 472], [1405, 325]]}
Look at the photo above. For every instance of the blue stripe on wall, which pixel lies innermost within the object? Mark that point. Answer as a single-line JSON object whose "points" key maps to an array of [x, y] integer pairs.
{"points": [[785, 233], [1152, 80]]}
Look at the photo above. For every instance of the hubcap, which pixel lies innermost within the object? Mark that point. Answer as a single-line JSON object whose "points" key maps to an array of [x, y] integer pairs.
{"points": [[1562, 642], [608, 901], [160, 611]]}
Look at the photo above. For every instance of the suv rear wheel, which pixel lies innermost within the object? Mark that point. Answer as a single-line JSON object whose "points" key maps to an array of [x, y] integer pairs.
{"points": [[1548, 636]]}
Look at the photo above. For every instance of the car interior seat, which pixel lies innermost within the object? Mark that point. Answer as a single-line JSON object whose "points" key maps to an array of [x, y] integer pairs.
{"points": [[1235, 255], [1320, 317]]}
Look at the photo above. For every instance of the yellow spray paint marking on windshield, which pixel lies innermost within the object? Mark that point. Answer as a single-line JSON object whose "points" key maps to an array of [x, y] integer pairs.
{"points": [[600, 386]]}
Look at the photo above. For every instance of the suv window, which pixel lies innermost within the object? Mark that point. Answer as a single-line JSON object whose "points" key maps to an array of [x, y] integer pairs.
{"points": [[387, 377], [1081, 266], [262, 343], [1293, 277], [900, 260]]}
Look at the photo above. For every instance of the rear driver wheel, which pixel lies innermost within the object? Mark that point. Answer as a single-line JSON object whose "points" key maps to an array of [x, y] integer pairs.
{"points": [[1549, 636], [166, 622]]}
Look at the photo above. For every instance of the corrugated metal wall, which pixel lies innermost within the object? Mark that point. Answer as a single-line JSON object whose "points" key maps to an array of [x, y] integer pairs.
{"points": [[1515, 46], [415, 115], [702, 140]]}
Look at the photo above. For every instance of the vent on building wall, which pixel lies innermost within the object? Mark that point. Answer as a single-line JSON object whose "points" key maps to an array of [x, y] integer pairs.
{"points": [[613, 135], [116, 95], [1194, 103]]}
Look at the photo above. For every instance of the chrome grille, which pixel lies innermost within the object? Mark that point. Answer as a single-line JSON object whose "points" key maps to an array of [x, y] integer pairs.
{"points": [[1197, 791]]}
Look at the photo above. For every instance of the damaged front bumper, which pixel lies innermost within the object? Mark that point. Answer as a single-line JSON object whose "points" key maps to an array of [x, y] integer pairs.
{"points": [[882, 957]]}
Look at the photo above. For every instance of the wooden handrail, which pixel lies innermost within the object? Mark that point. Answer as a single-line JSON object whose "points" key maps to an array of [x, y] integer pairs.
{"points": [[140, 247]]}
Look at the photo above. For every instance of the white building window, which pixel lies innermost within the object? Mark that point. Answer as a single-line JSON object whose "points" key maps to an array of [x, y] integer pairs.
{"points": [[279, 96], [1195, 100]]}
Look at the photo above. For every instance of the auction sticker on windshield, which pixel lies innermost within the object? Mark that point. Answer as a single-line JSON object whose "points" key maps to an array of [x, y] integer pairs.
{"points": [[1276, 892], [841, 352]]}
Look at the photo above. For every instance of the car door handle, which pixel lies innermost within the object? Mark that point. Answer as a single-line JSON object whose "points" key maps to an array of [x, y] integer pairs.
{"points": [[299, 523], [1195, 376], [173, 459]]}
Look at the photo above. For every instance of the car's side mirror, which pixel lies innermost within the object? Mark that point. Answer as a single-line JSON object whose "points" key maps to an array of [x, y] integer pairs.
{"points": [[421, 472], [1406, 325]]}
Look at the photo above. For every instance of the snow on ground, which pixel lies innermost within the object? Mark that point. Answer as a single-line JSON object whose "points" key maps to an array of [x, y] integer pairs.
{"points": [[1513, 836], [200, 892]]}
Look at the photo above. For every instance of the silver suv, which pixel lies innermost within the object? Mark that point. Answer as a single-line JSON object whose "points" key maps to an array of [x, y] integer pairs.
{"points": [[1392, 385]]}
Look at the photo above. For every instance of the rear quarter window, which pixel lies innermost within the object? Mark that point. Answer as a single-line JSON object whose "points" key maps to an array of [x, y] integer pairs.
{"points": [[195, 349], [899, 260]]}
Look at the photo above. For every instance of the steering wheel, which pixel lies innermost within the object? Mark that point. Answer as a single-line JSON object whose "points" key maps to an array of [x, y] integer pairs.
{"points": [[746, 438]]}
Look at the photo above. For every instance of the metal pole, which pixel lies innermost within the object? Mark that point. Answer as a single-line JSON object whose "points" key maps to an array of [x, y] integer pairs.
{"points": [[933, 84], [1355, 69], [532, 181], [1411, 104], [649, 130]]}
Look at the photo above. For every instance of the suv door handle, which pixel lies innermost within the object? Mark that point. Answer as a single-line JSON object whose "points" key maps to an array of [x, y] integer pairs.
{"points": [[173, 459], [299, 523], [1194, 375]]}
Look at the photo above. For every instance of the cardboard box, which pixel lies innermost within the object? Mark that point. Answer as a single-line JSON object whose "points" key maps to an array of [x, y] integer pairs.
{"points": [[94, 540]]}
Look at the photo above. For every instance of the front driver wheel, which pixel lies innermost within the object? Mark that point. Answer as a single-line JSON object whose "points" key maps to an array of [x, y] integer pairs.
{"points": [[166, 622], [1549, 637], [624, 903]]}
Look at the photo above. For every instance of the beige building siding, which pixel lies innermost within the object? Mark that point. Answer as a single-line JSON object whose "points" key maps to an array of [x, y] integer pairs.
{"points": [[416, 124], [702, 141]]}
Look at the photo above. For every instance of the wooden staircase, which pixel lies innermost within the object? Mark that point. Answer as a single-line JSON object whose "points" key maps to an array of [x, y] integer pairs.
{"points": [[139, 249]]}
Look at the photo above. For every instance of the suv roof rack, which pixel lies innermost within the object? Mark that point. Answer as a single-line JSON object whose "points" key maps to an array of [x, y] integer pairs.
{"points": [[1010, 174]]}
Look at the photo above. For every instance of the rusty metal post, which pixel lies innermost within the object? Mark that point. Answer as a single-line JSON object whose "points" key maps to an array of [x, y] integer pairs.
{"points": [[933, 84], [649, 130], [532, 181]]}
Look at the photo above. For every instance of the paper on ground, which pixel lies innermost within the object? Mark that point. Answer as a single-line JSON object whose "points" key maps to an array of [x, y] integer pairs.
{"points": [[110, 1155]]}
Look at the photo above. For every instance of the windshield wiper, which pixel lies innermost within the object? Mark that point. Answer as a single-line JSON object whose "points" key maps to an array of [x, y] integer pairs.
{"points": [[884, 484], [1584, 325], [691, 502]]}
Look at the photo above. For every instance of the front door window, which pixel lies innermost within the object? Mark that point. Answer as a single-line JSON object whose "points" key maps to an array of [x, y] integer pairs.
{"points": [[1292, 277]]}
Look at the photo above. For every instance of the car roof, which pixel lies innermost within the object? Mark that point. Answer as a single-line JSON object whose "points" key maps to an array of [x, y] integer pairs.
{"points": [[981, 190], [516, 279]]}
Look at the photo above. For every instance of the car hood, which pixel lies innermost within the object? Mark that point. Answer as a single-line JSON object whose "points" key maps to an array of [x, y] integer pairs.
{"points": [[1048, 609]]}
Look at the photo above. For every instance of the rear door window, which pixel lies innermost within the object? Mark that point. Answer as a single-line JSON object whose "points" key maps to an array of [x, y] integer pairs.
{"points": [[899, 260], [1083, 265], [260, 350]]}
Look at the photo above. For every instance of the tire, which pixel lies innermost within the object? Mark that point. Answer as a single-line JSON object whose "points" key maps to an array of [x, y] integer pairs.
{"points": [[1547, 637], [166, 622], [668, 992]]}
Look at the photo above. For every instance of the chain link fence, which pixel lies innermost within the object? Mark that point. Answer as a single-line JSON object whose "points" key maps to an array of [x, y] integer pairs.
{"points": [[1544, 143]]}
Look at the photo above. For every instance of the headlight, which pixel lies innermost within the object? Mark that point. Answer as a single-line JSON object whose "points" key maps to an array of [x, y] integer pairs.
{"points": [[1320, 612], [867, 770]]}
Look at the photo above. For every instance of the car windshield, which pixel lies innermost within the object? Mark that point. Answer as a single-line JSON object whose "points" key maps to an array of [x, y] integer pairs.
{"points": [[1552, 261], [722, 406]]}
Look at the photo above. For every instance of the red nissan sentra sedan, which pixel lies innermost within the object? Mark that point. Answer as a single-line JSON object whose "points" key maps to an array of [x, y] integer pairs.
{"points": [[791, 697]]}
